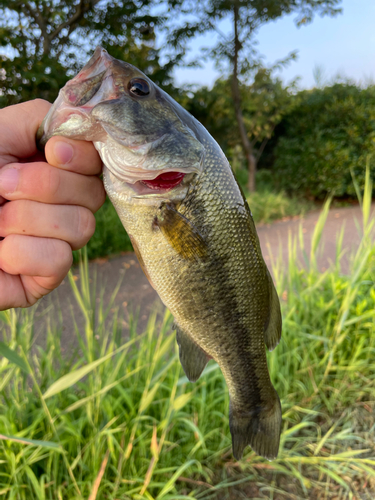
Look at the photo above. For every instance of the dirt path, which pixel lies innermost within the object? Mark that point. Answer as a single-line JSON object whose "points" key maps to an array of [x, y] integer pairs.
{"points": [[136, 296]]}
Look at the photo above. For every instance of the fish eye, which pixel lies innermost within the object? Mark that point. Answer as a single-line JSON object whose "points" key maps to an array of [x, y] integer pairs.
{"points": [[138, 87]]}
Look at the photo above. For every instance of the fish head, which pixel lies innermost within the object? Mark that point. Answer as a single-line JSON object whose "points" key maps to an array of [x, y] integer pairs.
{"points": [[147, 142]]}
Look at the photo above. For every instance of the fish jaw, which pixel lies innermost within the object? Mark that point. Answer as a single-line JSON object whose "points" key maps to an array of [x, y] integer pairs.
{"points": [[68, 116]]}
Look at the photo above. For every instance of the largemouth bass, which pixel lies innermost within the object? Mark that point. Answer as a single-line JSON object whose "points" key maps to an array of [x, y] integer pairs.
{"points": [[192, 231]]}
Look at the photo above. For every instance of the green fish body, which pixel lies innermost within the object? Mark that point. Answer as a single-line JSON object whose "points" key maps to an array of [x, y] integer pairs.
{"points": [[191, 229]]}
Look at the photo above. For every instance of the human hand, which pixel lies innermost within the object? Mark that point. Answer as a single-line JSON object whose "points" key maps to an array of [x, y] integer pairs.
{"points": [[52, 201]]}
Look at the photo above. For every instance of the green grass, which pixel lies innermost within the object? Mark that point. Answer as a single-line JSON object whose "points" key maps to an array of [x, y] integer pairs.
{"points": [[121, 421], [267, 206]]}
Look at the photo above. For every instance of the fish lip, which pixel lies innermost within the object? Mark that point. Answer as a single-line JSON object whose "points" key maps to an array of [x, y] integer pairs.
{"points": [[132, 176]]}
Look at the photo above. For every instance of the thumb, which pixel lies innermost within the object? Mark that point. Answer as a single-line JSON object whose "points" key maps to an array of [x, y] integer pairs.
{"points": [[18, 127]]}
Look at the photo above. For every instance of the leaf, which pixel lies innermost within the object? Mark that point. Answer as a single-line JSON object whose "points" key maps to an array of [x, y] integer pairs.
{"points": [[71, 378], [182, 400], [37, 488], [33, 442], [170, 484], [13, 357], [105, 389], [296, 428], [147, 400]]}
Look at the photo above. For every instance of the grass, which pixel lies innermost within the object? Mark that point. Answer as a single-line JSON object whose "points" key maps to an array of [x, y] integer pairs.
{"points": [[121, 421], [267, 206]]}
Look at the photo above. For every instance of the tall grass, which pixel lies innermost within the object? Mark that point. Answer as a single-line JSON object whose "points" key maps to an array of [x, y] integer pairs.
{"points": [[121, 421], [267, 206]]}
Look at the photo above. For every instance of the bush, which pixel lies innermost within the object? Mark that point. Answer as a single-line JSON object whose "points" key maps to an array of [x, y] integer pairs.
{"points": [[331, 131]]}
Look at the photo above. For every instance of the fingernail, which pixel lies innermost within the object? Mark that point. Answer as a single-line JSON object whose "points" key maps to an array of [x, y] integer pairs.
{"points": [[63, 152], [8, 180]]}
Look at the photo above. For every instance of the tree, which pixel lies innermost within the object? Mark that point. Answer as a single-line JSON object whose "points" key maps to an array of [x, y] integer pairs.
{"points": [[316, 155], [43, 43], [264, 103], [237, 47]]}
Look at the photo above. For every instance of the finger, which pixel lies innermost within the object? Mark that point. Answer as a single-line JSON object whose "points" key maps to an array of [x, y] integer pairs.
{"points": [[70, 223], [18, 127], [76, 156], [41, 182], [37, 266]]}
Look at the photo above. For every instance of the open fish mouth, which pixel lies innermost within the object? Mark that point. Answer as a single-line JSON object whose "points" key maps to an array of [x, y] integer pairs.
{"points": [[160, 185], [165, 182]]}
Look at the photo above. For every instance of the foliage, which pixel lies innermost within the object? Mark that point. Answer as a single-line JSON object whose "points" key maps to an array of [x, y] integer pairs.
{"points": [[120, 420], [267, 206], [205, 16], [330, 132], [45, 42], [235, 48], [264, 102]]}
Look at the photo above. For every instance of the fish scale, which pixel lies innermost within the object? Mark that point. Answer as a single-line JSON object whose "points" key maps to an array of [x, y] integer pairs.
{"points": [[196, 241]]}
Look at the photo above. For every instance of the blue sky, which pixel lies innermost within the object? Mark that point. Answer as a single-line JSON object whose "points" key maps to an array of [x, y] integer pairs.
{"points": [[343, 45]]}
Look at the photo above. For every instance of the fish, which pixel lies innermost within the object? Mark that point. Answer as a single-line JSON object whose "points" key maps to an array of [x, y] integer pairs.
{"points": [[191, 229]]}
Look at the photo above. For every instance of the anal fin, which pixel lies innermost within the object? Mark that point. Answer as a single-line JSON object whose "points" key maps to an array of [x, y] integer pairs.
{"points": [[192, 357], [272, 333]]}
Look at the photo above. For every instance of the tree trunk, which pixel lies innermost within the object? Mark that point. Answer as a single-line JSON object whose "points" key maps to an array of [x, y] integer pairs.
{"points": [[246, 145]]}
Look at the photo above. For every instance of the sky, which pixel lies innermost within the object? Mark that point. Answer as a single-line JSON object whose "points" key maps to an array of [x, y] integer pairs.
{"points": [[343, 45]]}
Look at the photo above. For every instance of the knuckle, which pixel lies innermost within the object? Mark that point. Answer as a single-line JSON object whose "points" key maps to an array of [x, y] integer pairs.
{"points": [[100, 194], [85, 225], [41, 102], [62, 256], [52, 182], [11, 215]]}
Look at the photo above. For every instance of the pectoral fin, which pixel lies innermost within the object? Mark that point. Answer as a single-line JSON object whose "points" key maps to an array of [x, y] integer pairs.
{"points": [[193, 359], [272, 333], [180, 233]]}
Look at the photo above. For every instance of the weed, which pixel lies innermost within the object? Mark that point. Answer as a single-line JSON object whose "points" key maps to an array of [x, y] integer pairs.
{"points": [[122, 421]]}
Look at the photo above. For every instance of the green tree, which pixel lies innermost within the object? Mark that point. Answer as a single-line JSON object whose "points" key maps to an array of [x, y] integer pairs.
{"points": [[328, 134], [43, 43], [264, 103], [237, 46]]}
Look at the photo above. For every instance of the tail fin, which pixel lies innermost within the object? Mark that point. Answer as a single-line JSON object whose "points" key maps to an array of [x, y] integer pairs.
{"points": [[260, 429]]}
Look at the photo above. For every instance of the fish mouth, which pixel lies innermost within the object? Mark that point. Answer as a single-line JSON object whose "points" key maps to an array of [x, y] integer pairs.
{"points": [[166, 181], [160, 185]]}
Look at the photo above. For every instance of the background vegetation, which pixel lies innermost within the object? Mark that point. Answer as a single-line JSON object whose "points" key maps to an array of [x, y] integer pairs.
{"points": [[118, 419], [305, 144]]}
